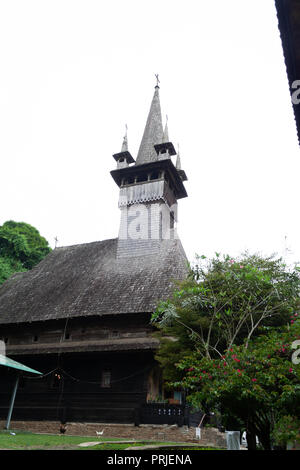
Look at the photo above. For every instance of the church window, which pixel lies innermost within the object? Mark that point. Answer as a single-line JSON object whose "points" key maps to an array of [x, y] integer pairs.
{"points": [[141, 178], [115, 334], [172, 220], [106, 379], [154, 175]]}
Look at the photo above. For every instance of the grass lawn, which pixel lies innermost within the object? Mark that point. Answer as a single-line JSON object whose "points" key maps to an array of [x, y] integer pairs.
{"points": [[30, 441], [27, 440]]}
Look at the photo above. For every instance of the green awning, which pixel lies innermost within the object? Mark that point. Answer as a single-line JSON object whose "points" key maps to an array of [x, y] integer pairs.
{"points": [[5, 361]]}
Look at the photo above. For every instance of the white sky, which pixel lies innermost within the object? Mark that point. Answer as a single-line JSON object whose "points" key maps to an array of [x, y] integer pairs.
{"points": [[72, 73]]}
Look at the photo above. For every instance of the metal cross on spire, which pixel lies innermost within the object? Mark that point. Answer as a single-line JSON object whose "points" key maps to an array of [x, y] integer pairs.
{"points": [[157, 79]]}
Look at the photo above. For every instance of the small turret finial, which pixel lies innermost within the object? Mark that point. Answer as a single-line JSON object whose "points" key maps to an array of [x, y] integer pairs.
{"points": [[125, 141]]}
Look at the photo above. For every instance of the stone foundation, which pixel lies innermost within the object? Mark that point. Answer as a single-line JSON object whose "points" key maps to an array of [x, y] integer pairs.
{"points": [[150, 432]]}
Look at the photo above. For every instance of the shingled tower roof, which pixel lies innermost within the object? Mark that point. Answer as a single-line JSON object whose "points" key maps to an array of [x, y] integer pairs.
{"points": [[153, 133]]}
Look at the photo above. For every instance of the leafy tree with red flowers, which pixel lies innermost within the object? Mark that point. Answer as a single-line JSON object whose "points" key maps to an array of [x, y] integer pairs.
{"points": [[253, 385], [224, 302]]}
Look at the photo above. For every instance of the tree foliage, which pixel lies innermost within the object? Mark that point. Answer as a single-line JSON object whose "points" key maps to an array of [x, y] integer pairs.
{"points": [[224, 302], [254, 385], [286, 429], [21, 248], [226, 339]]}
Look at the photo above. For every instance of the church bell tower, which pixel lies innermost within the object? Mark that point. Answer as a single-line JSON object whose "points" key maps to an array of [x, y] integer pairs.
{"points": [[149, 188]]}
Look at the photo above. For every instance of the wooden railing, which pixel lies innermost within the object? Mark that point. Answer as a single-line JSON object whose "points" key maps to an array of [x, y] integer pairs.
{"points": [[106, 407], [163, 413]]}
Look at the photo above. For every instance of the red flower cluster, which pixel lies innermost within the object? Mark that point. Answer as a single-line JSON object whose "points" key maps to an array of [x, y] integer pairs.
{"points": [[235, 358], [283, 348], [294, 317]]}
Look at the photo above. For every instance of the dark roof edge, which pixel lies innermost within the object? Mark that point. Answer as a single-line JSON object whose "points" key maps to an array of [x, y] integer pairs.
{"points": [[73, 317], [283, 8]]}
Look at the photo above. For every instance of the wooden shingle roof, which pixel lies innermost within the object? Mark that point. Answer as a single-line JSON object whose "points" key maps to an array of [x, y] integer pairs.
{"points": [[88, 279]]}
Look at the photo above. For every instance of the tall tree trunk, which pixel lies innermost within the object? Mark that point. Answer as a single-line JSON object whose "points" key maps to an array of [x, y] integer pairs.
{"points": [[263, 432], [264, 438], [251, 439]]}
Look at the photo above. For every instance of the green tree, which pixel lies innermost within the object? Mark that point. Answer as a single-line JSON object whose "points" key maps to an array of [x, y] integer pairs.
{"points": [[286, 430], [224, 302], [21, 248], [254, 385]]}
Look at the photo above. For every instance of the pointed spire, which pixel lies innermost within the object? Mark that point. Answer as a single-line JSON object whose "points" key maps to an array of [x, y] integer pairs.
{"points": [[178, 161], [166, 132], [153, 133], [124, 158], [178, 166], [125, 141]]}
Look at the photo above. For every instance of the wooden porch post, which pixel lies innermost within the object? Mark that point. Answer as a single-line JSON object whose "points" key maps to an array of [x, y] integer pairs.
{"points": [[12, 401]]}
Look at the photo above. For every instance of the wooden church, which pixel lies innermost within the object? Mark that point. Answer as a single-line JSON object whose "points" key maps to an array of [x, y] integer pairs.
{"points": [[82, 315]]}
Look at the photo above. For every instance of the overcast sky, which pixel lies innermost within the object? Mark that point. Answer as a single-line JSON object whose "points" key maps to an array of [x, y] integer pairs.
{"points": [[73, 73]]}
